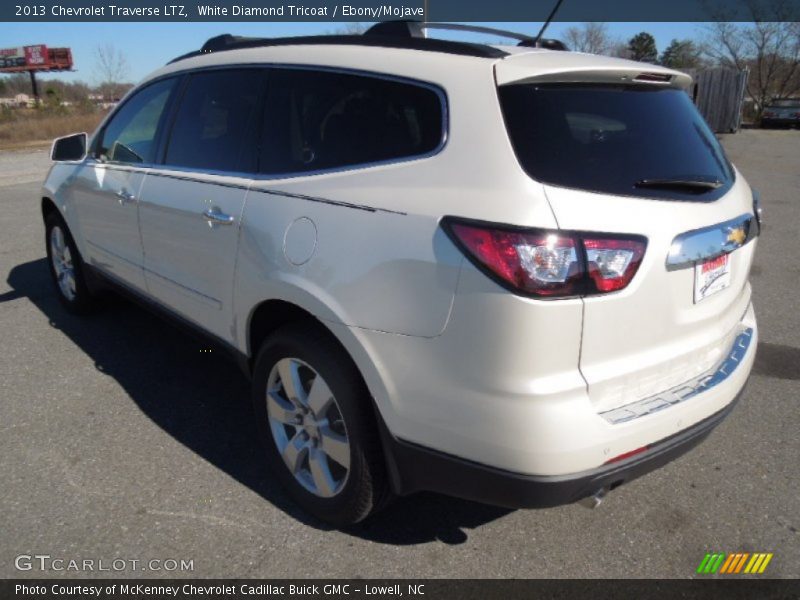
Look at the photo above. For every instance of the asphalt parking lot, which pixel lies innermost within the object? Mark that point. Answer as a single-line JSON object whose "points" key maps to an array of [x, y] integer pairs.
{"points": [[121, 440]]}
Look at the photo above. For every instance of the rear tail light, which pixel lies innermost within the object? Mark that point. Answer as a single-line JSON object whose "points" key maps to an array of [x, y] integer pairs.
{"points": [[549, 264], [612, 262]]}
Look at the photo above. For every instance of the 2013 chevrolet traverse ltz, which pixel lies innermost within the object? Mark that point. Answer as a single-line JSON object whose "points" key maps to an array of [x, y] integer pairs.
{"points": [[507, 273]]}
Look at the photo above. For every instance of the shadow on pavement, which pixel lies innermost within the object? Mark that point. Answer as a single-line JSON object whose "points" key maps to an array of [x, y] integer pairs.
{"points": [[777, 361], [202, 399]]}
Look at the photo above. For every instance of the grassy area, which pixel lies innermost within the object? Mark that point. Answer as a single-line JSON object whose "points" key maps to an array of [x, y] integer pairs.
{"points": [[22, 128]]}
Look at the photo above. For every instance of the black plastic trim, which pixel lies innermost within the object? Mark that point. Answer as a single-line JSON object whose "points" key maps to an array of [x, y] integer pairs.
{"points": [[415, 468]]}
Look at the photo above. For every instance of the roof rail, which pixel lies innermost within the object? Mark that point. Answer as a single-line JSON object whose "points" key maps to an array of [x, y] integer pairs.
{"points": [[416, 29], [226, 42]]}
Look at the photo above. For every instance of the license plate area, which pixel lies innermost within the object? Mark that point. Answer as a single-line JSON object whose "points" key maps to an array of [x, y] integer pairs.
{"points": [[711, 276]]}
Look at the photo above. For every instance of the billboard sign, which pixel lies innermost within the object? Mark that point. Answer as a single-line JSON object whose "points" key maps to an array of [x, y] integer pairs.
{"points": [[37, 57], [12, 57]]}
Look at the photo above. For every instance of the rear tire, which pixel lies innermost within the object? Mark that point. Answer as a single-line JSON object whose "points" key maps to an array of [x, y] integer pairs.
{"points": [[66, 266], [318, 430]]}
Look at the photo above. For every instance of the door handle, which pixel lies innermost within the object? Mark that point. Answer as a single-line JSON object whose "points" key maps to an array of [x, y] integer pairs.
{"points": [[125, 197], [215, 216]]}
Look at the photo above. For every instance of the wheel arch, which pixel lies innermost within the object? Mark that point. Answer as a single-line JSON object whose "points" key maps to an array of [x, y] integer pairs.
{"points": [[271, 314], [268, 316], [48, 206]]}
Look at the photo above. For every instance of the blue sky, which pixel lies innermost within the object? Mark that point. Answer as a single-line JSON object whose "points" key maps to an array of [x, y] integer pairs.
{"points": [[148, 46]]}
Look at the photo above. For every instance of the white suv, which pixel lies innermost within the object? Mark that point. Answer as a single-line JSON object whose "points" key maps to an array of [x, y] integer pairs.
{"points": [[511, 274]]}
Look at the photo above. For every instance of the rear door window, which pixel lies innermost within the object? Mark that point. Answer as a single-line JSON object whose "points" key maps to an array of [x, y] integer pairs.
{"points": [[609, 139], [317, 120], [215, 126]]}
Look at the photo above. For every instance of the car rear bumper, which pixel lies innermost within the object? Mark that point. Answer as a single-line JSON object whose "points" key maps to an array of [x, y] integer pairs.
{"points": [[779, 122], [415, 468]]}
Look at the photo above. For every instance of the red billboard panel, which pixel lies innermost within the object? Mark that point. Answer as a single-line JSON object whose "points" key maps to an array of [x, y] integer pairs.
{"points": [[37, 57]]}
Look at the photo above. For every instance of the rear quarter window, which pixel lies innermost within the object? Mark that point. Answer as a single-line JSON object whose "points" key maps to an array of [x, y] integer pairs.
{"points": [[605, 138], [317, 120]]}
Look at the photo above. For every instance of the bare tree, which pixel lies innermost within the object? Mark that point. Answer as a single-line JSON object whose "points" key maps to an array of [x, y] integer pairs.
{"points": [[589, 37], [769, 48], [354, 28], [112, 69]]}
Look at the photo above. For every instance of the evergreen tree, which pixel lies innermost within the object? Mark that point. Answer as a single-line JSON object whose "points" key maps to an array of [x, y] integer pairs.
{"points": [[642, 47], [681, 54]]}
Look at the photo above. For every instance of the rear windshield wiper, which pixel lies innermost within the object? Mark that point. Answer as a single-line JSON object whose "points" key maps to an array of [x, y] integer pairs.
{"points": [[697, 186]]}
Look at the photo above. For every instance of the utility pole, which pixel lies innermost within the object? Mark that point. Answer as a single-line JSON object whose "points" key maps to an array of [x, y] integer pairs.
{"points": [[34, 86]]}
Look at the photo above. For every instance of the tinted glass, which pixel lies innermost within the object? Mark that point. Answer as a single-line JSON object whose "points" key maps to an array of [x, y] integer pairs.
{"points": [[131, 134], [321, 120], [608, 138], [215, 124]]}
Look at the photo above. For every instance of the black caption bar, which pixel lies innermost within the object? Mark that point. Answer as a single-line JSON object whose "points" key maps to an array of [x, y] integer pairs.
{"points": [[381, 10], [420, 589]]}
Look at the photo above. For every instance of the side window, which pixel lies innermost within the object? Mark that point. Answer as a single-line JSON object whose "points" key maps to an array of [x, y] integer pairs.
{"points": [[322, 120], [130, 136], [215, 127]]}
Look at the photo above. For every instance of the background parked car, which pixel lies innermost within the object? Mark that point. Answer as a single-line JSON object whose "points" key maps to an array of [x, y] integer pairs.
{"points": [[781, 113]]}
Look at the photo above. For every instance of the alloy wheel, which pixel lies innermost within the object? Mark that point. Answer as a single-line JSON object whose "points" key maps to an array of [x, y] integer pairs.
{"points": [[307, 427], [63, 266]]}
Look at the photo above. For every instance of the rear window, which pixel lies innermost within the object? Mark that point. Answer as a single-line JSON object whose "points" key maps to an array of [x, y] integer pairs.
{"points": [[609, 139], [318, 120]]}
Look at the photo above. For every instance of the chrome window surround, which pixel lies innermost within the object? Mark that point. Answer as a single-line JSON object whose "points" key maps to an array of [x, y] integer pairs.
{"points": [[710, 242], [255, 176], [687, 390]]}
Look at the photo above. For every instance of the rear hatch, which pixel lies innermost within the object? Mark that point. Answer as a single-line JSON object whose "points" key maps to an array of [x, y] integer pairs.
{"points": [[621, 149]]}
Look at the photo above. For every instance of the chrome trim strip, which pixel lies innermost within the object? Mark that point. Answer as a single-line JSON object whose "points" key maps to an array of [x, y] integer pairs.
{"points": [[342, 203], [155, 171], [710, 242], [684, 391]]}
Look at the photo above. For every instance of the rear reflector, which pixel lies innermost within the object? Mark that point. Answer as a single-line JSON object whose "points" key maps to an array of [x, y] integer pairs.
{"points": [[548, 264], [625, 455]]}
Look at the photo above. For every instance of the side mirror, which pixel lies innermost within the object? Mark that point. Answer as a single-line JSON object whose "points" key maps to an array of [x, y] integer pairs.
{"points": [[71, 147]]}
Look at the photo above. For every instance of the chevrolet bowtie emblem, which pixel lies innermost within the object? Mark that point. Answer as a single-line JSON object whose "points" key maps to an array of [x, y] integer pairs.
{"points": [[736, 236]]}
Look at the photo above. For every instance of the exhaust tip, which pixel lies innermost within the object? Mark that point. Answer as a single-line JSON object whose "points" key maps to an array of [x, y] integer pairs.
{"points": [[594, 500]]}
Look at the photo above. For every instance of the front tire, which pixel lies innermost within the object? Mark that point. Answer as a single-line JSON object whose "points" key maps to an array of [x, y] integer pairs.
{"points": [[315, 418], [66, 267]]}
